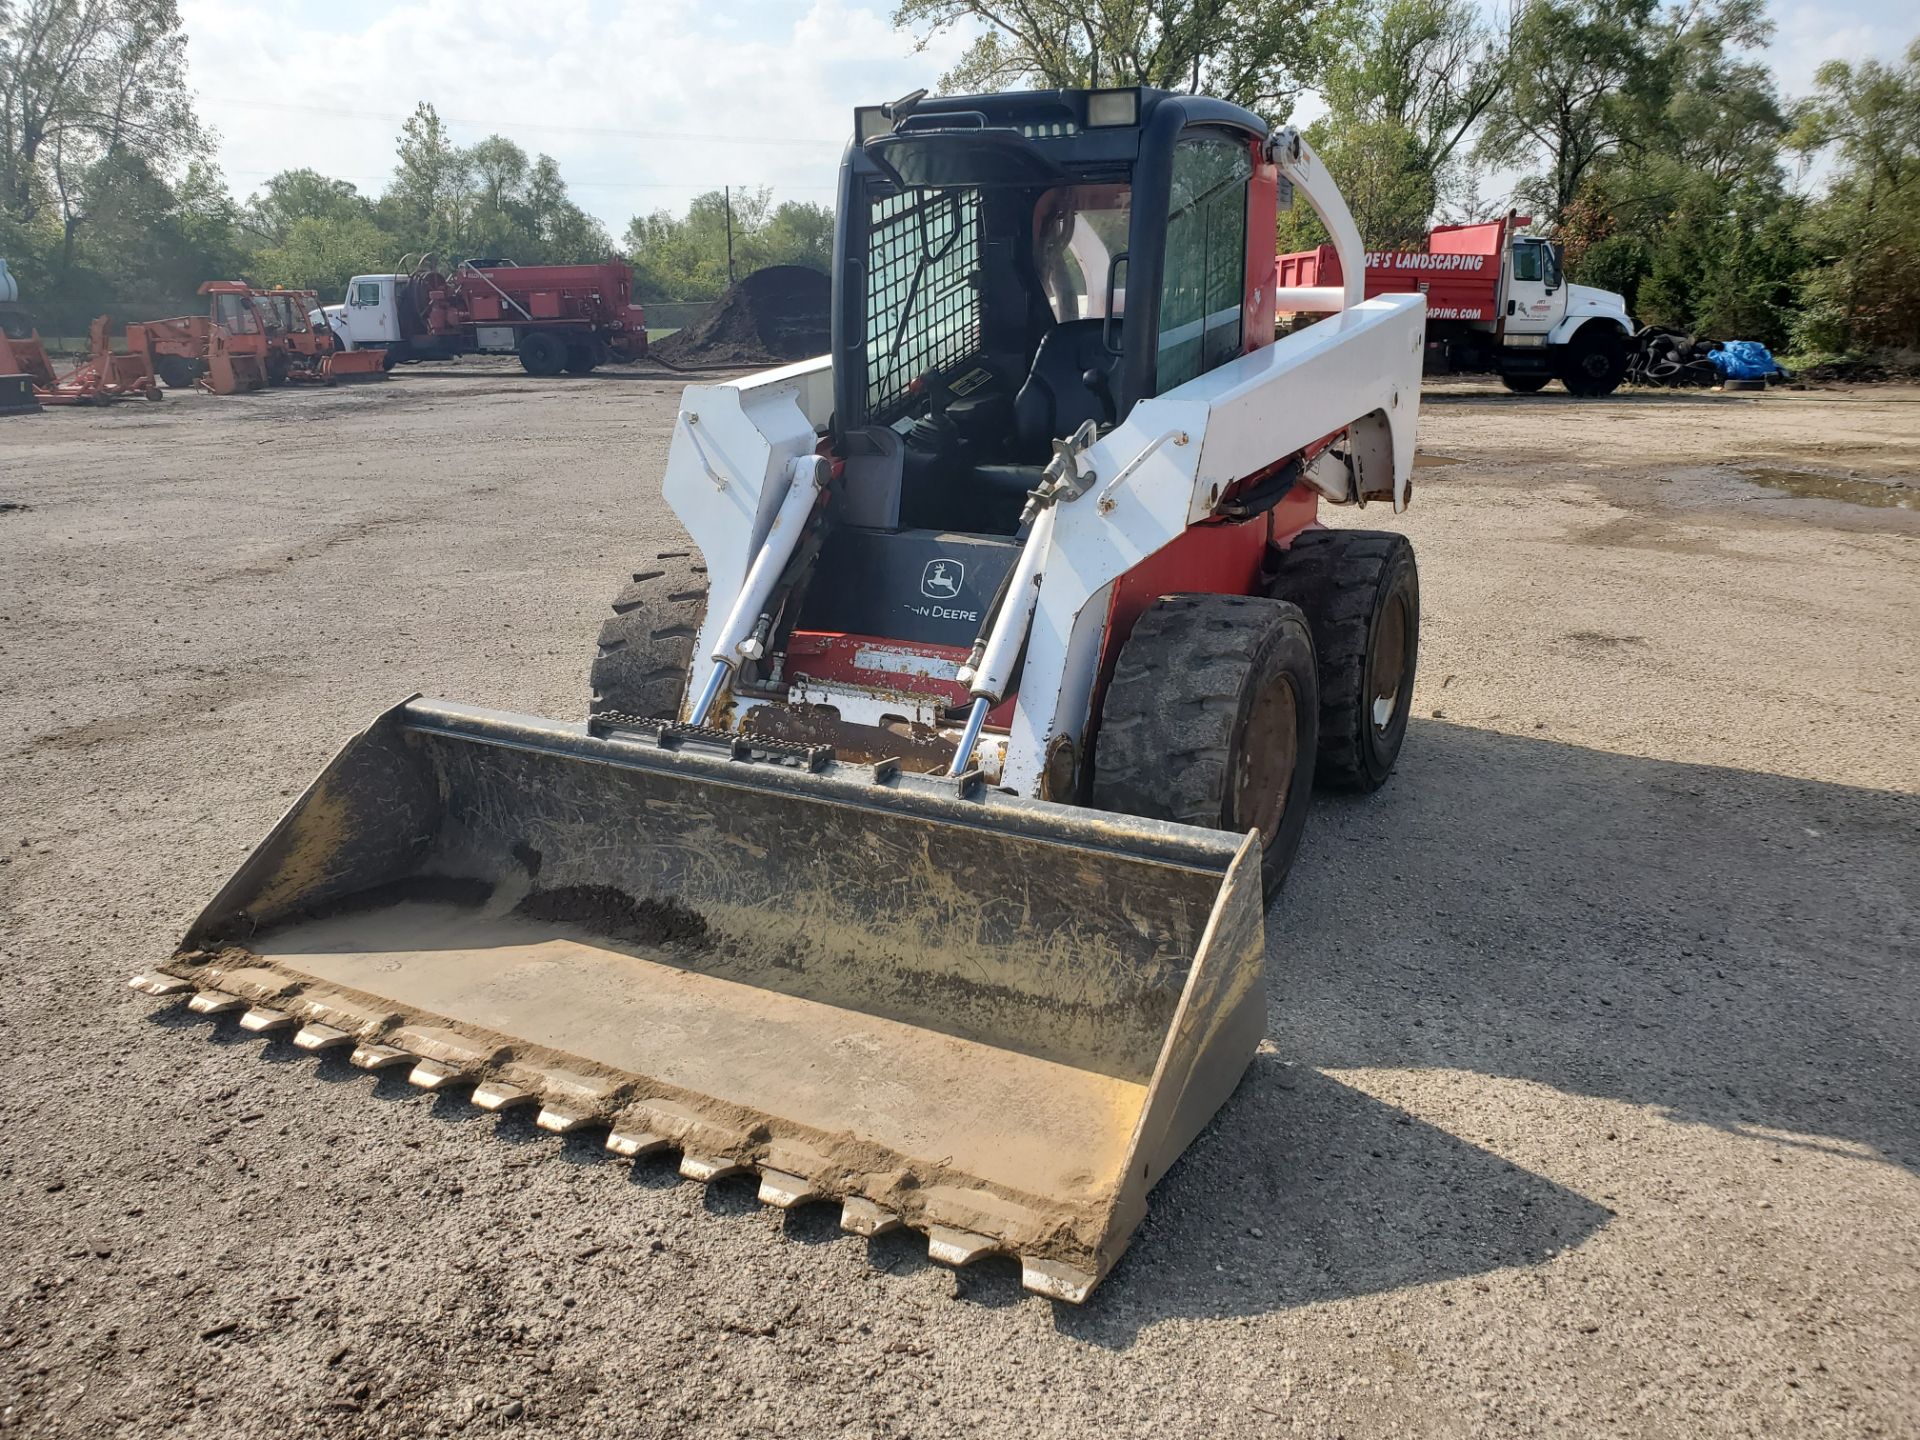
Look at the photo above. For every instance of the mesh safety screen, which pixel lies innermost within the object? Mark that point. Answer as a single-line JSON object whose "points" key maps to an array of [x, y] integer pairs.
{"points": [[923, 291]]}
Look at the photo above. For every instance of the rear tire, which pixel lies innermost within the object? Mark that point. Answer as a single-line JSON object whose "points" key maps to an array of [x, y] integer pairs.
{"points": [[542, 354], [1212, 718], [177, 372], [646, 645], [1360, 590], [1524, 384], [581, 359], [1595, 362]]}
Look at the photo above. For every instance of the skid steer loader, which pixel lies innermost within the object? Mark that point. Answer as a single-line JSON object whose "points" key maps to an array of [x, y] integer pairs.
{"points": [[915, 852]]}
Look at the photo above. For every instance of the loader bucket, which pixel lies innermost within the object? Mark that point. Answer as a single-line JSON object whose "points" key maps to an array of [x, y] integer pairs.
{"points": [[995, 1020]]}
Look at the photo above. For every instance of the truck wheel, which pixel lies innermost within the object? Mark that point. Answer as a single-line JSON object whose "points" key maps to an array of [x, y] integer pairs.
{"points": [[542, 354], [1524, 384], [1360, 590], [646, 645], [581, 359], [389, 358], [177, 372], [1595, 363], [1212, 718], [278, 366]]}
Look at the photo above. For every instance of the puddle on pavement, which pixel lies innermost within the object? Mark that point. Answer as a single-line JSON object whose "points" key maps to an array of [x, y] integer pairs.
{"points": [[1424, 461], [1848, 489]]}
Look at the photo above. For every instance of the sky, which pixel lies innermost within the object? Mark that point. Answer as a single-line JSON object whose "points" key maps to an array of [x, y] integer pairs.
{"points": [[648, 103]]}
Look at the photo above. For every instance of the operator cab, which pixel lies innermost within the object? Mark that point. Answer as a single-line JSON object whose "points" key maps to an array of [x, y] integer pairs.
{"points": [[1008, 269]]}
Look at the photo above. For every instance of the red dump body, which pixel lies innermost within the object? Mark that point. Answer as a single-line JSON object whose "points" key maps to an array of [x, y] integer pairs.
{"points": [[597, 298], [1458, 272]]}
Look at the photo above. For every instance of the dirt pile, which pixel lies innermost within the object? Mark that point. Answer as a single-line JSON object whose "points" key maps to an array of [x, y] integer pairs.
{"points": [[773, 315]]}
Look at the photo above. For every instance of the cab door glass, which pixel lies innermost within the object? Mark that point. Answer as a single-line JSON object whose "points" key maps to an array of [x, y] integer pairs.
{"points": [[1203, 280], [1526, 261], [367, 292]]}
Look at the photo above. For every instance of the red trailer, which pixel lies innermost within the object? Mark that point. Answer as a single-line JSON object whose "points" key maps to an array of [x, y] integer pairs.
{"points": [[554, 317], [1496, 301]]}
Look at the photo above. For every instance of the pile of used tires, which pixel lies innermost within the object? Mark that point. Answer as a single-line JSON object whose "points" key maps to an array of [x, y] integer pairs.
{"points": [[1671, 359]]}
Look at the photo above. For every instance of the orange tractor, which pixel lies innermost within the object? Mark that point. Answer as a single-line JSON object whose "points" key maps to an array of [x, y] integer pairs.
{"points": [[304, 351], [227, 350]]}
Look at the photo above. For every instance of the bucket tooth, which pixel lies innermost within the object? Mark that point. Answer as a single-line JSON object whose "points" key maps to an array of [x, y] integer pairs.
{"points": [[259, 1021], [958, 1247], [631, 1142], [378, 1057], [498, 1095], [860, 1216], [319, 1038], [784, 1191], [446, 1057], [215, 1002], [563, 1119], [159, 986], [435, 1075], [708, 1167], [1056, 1281]]}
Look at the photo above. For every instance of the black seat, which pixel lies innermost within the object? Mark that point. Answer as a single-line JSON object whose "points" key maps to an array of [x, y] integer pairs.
{"points": [[1057, 399]]}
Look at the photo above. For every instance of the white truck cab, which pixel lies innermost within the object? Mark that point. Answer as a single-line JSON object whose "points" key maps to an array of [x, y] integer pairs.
{"points": [[1585, 330], [369, 317]]}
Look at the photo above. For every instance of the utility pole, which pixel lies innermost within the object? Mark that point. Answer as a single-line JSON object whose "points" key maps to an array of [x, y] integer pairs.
{"points": [[727, 191]]}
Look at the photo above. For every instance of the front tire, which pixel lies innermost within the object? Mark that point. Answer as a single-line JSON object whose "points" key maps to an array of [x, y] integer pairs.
{"points": [[645, 649], [177, 372], [581, 359], [1360, 590], [1595, 362], [1212, 719]]}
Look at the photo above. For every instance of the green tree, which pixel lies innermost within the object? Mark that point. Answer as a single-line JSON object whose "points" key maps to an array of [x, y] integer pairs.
{"points": [[1865, 232], [429, 200], [684, 257], [95, 113], [1409, 82], [1258, 53]]}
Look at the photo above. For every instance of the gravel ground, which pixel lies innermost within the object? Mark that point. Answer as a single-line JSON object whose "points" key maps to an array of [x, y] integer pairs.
{"points": [[1590, 1104]]}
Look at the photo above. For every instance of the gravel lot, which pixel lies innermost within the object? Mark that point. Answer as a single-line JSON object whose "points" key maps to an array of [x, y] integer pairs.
{"points": [[1591, 1102]]}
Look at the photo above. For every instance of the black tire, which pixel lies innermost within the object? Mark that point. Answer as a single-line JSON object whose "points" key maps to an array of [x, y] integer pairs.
{"points": [[389, 358], [1360, 590], [1525, 384], [277, 367], [542, 354], [177, 372], [581, 359], [1212, 718], [646, 645], [1595, 362]]}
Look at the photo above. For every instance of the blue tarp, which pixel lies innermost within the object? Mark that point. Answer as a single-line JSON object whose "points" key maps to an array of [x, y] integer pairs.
{"points": [[1744, 360]]}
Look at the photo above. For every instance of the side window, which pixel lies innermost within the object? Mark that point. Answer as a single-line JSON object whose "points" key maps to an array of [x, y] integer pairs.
{"points": [[1526, 260], [367, 292], [1204, 278]]}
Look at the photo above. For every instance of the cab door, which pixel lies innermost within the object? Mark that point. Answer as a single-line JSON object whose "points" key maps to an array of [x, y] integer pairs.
{"points": [[1534, 296], [370, 314]]}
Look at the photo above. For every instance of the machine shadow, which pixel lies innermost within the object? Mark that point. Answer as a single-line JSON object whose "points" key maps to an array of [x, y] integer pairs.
{"points": [[1731, 948]]}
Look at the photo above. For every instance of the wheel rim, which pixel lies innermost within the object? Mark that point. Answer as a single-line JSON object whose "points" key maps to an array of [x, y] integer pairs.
{"points": [[1387, 667], [1273, 750]]}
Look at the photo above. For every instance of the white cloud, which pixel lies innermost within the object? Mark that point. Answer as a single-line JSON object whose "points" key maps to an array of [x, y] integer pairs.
{"points": [[643, 105]]}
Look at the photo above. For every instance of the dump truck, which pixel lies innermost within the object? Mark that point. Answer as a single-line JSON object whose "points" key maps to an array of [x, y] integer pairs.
{"points": [[915, 853], [1498, 302], [556, 318]]}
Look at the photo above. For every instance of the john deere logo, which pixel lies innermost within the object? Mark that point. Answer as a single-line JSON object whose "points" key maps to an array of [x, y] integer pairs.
{"points": [[941, 579]]}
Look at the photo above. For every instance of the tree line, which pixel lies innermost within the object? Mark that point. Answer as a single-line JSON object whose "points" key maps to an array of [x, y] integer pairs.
{"points": [[1644, 134]]}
